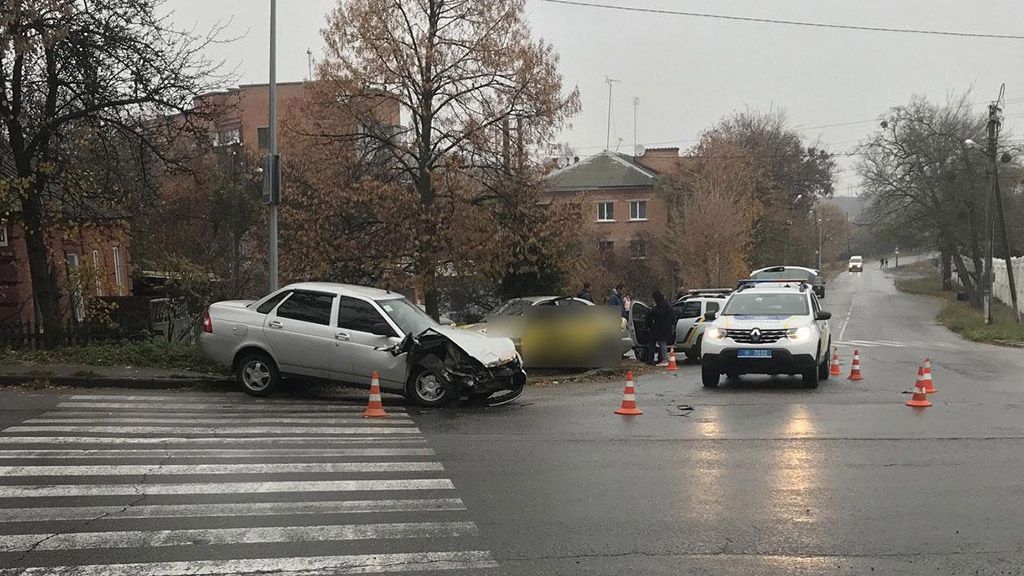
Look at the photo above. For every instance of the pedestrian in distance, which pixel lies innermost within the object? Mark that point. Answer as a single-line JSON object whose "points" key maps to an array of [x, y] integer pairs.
{"points": [[584, 293], [662, 321], [616, 300]]}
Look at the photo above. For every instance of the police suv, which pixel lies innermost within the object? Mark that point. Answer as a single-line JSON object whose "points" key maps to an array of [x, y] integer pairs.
{"points": [[768, 327]]}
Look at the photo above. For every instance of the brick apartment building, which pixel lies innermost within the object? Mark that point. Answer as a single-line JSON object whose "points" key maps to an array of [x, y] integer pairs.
{"points": [[621, 212]]}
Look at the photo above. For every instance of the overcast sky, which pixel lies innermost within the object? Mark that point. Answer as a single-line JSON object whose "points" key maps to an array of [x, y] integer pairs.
{"points": [[689, 72]]}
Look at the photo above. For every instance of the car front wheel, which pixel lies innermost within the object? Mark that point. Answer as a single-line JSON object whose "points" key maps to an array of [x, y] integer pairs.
{"points": [[258, 374], [427, 389], [709, 377]]}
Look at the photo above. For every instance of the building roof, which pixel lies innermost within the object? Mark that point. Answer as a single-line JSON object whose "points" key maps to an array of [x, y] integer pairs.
{"points": [[604, 170]]}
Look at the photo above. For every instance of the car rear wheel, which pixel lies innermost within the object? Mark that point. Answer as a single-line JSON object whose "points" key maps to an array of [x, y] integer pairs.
{"points": [[709, 377], [258, 374], [426, 389]]}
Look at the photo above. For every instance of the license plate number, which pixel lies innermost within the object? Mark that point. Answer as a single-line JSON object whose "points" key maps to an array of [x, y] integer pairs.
{"points": [[753, 353]]}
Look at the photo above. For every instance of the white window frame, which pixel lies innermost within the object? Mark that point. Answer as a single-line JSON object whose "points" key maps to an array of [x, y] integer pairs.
{"points": [[610, 203], [636, 203], [99, 277], [118, 271], [633, 252], [74, 262], [3, 233]]}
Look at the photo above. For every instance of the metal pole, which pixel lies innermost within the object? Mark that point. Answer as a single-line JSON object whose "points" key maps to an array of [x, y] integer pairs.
{"points": [[636, 104], [608, 134], [272, 216], [819, 244]]}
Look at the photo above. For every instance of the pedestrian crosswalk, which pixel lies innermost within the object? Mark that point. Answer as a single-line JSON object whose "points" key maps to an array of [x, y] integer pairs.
{"points": [[161, 485]]}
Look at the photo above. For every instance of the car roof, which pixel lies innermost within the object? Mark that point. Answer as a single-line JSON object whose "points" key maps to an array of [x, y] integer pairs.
{"points": [[534, 300], [786, 268], [771, 288], [344, 290]]}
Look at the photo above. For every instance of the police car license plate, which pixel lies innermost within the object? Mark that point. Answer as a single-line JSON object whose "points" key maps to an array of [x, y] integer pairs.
{"points": [[753, 353]]}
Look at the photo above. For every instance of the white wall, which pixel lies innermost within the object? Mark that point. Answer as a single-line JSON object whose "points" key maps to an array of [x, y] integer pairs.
{"points": [[1001, 282]]}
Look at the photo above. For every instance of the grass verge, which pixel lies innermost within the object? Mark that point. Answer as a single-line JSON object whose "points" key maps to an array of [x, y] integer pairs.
{"points": [[149, 354], [960, 317]]}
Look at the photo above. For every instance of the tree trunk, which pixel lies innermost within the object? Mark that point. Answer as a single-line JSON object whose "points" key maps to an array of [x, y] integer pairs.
{"points": [[966, 278], [44, 278], [947, 269]]}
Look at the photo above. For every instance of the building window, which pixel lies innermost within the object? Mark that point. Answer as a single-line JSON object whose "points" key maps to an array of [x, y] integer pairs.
{"points": [[99, 272], [606, 246], [605, 211], [3, 233], [638, 210], [75, 279], [263, 137], [118, 271], [227, 137], [638, 249]]}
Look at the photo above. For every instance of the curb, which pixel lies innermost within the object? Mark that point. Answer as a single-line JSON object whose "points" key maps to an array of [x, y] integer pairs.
{"points": [[112, 382]]}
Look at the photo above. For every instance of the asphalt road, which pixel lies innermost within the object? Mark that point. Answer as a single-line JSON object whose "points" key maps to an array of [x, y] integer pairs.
{"points": [[758, 476]]}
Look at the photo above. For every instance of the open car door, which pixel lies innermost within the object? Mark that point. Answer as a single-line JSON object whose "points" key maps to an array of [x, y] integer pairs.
{"points": [[639, 331]]}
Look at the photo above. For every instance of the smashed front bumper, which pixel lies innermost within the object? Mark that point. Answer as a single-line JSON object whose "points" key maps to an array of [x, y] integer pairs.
{"points": [[484, 381]]}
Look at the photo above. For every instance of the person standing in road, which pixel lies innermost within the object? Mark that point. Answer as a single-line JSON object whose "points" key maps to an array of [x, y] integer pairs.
{"points": [[584, 293], [662, 320]]}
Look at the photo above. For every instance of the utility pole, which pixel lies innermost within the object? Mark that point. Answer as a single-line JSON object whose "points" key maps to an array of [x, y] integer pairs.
{"points": [[309, 63], [986, 295], [608, 137], [994, 123], [271, 173]]}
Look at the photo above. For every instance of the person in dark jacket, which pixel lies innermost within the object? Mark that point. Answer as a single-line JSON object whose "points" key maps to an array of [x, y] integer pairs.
{"points": [[662, 321], [585, 293]]}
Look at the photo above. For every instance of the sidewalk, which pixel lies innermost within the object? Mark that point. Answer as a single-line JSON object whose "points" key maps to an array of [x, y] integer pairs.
{"points": [[15, 373]]}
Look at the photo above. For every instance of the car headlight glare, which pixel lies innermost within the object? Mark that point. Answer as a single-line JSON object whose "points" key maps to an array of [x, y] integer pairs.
{"points": [[715, 333], [800, 334]]}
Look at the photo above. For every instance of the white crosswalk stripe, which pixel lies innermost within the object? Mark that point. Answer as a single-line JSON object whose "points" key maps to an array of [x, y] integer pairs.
{"points": [[114, 477]]}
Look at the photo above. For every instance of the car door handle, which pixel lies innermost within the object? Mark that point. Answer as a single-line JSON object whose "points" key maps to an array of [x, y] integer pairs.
{"points": [[275, 324], [342, 336]]}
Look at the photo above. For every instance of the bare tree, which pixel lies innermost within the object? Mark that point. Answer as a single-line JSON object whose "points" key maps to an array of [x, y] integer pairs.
{"points": [[925, 187], [86, 74], [479, 93]]}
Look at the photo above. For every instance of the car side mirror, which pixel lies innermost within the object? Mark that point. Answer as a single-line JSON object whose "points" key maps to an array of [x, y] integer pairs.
{"points": [[822, 315], [710, 316]]}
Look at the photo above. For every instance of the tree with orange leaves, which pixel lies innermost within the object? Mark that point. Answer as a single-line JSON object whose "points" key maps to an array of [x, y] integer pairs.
{"points": [[478, 93]]}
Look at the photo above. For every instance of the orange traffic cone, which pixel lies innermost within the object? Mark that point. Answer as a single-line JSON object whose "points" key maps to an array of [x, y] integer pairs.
{"points": [[855, 370], [920, 397], [834, 369], [375, 408], [926, 377], [672, 360], [628, 407]]}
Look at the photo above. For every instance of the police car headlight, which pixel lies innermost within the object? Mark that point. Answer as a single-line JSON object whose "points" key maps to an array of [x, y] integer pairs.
{"points": [[715, 334], [801, 334]]}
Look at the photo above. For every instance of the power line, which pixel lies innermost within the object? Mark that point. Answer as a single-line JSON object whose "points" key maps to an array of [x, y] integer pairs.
{"points": [[787, 22]]}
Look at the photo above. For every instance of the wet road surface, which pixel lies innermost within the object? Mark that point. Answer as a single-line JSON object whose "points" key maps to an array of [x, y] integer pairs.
{"points": [[758, 476]]}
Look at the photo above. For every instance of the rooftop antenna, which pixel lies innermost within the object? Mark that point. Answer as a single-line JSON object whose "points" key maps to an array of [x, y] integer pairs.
{"points": [[608, 137], [636, 106]]}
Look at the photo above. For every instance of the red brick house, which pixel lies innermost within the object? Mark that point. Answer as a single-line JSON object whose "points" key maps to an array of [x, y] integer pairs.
{"points": [[91, 257], [621, 213]]}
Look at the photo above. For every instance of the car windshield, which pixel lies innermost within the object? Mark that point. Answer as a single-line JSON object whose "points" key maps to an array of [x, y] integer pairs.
{"points": [[856, 259], [752, 304], [410, 319], [785, 274]]}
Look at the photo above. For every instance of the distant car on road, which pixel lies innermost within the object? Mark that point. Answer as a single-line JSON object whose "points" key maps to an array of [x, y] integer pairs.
{"points": [[813, 277], [856, 264], [344, 333], [768, 327]]}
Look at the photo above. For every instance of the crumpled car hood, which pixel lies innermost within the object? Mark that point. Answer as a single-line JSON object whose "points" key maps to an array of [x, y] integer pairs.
{"points": [[489, 351]]}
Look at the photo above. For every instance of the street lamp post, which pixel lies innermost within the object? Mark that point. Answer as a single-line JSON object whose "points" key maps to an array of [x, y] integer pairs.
{"points": [[819, 244], [272, 168]]}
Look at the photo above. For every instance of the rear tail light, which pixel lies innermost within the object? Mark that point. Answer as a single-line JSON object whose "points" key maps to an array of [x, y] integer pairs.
{"points": [[207, 323]]}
